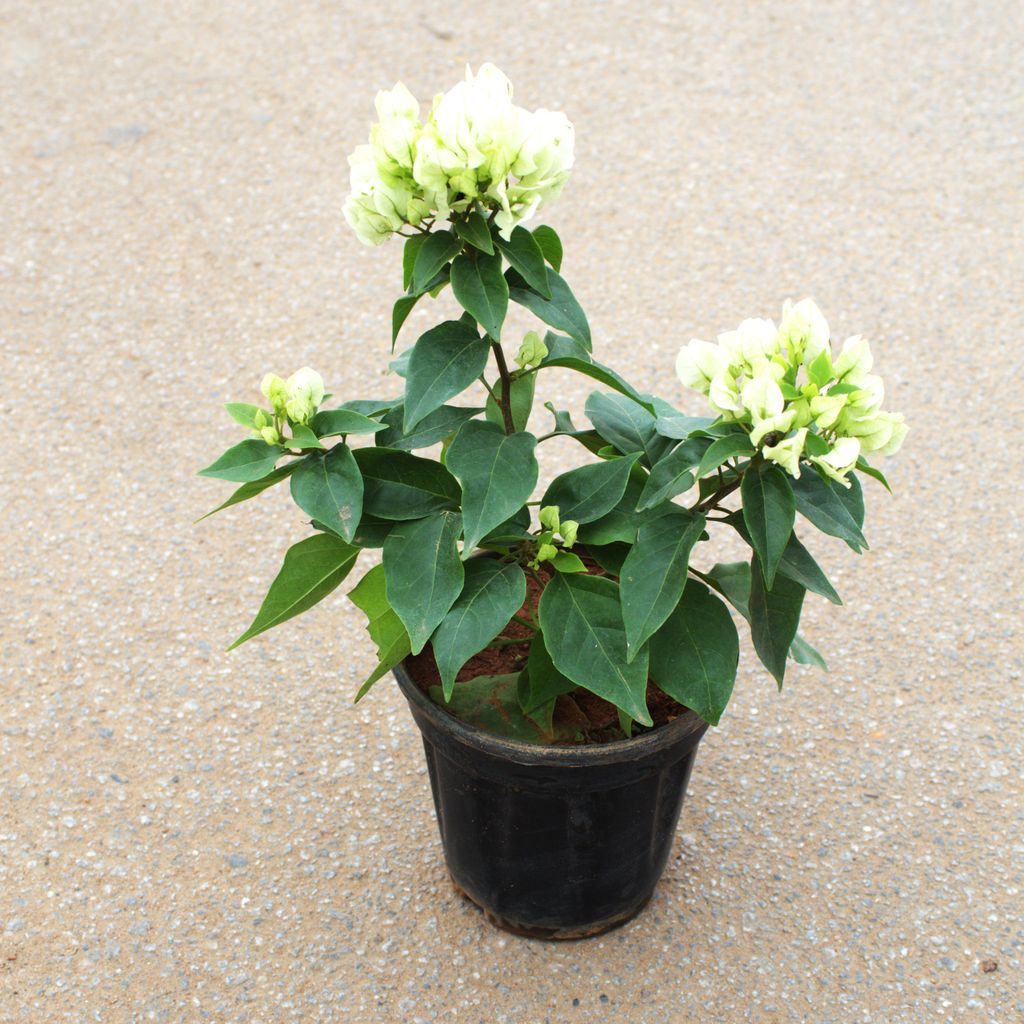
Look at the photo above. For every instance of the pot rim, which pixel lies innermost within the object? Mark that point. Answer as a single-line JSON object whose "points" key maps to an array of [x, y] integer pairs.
{"points": [[593, 754]]}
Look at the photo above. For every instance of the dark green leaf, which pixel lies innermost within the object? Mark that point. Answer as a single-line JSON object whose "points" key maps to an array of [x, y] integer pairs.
{"points": [[383, 625], [475, 231], [432, 429], [367, 407], [443, 363], [611, 557], [804, 654], [372, 531], [570, 354], [627, 425], [815, 444], [397, 485], [332, 422], [820, 503], [311, 570], [251, 489], [581, 617], [329, 487], [672, 475], [543, 681], [302, 437], [671, 423], [865, 467], [550, 244], [561, 311], [654, 574], [400, 313], [424, 573], [852, 498], [591, 491], [623, 521], [244, 413], [526, 256], [564, 427], [695, 653], [245, 462], [481, 290], [723, 449], [409, 254], [493, 592], [431, 257], [522, 401], [497, 472], [732, 580], [768, 514], [774, 617]]}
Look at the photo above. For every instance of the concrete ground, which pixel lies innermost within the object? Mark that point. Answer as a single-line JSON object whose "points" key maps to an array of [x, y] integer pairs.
{"points": [[189, 835]]}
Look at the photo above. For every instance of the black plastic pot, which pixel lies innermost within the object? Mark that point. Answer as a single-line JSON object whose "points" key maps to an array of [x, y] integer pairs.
{"points": [[554, 842]]}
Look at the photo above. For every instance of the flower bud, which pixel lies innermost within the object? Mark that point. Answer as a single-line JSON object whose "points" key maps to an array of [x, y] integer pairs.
{"points": [[549, 517], [568, 532], [270, 435], [532, 351], [546, 552], [275, 391]]}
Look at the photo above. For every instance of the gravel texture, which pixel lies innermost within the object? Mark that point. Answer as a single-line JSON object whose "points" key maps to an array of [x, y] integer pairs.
{"points": [[187, 835]]}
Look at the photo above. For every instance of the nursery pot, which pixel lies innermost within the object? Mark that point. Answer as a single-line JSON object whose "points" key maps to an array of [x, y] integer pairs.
{"points": [[555, 842]]}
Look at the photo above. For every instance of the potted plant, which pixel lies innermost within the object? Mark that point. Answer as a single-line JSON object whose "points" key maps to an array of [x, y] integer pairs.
{"points": [[562, 647]]}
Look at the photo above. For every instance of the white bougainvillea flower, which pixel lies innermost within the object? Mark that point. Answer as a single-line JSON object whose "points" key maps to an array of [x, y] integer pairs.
{"points": [[699, 362], [826, 409], [842, 458], [787, 452], [855, 360], [762, 397], [304, 391], [724, 395], [803, 330], [752, 344]]}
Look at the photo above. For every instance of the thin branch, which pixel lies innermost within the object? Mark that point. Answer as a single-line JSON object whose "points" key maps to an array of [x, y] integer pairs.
{"points": [[506, 388]]}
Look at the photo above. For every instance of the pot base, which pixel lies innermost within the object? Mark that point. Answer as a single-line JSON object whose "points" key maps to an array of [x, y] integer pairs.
{"points": [[551, 934]]}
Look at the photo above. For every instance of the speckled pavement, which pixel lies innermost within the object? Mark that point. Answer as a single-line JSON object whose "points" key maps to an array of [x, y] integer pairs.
{"points": [[188, 835]]}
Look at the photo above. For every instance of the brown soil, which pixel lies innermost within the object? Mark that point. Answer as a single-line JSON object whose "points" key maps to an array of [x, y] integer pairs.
{"points": [[595, 717]]}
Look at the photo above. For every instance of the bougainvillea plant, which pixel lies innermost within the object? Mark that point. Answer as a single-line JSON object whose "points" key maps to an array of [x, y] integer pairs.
{"points": [[627, 596]]}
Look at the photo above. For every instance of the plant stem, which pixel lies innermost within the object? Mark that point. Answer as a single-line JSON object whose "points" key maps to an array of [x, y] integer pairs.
{"points": [[509, 641], [489, 390], [714, 499], [506, 388], [524, 622]]}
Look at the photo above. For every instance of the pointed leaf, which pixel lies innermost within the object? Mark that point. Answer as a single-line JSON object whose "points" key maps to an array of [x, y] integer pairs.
{"points": [[865, 467], [498, 473], [589, 492], [526, 256], [695, 654], [627, 425], [493, 592], [550, 244], [432, 429], [302, 438], [474, 230], [804, 653], [251, 489], [245, 462], [383, 625], [443, 363], [397, 485], [774, 617], [311, 570], [732, 579], [570, 354], [769, 510], [409, 254], [723, 449], [561, 311], [820, 503], [333, 422], [566, 561], [400, 313], [329, 488], [543, 681], [244, 413], [439, 248], [424, 573], [481, 290], [671, 475]]}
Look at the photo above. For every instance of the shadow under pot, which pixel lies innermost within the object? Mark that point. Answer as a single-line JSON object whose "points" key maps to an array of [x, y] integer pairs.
{"points": [[554, 842]]}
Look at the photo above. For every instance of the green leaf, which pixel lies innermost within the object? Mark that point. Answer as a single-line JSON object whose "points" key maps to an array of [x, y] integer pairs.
{"points": [[543, 681], [591, 491], [570, 354], [409, 254], [527, 257], [725, 448], [443, 363], [675, 425], [796, 562], [332, 422], [493, 592], [372, 531], [732, 579], [432, 429], [769, 510], [865, 467], [820, 371], [432, 256], [550, 244], [329, 487], [397, 485], [774, 617], [498, 473], [424, 573], [244, 413], [852, 498], [804, 654], [654, 575], [671, 475], [302, 437], [522, 401], [566, 561], [252, 488], [481, 290], [695, 654], [245, 462], [815, 444], [383, 625], [561, 311], [622, 522], [611, 557], [311, 570], [366, 407], [627, 425], [564, 427], [491, 703], [474, 230], [581, 617], [400, 313], [820, 503]]}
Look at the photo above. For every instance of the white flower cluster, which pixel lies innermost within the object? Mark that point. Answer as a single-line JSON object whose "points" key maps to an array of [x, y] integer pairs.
{"points": [[783, 384], [296, 398], [476, 147]]}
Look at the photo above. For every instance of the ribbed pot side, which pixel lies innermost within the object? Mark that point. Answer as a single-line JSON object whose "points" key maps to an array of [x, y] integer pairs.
{"points": [[554, 842]]}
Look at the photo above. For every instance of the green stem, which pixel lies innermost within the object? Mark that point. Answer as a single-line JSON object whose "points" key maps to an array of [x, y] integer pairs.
{"points": [[509, 641], [506, 388]]}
